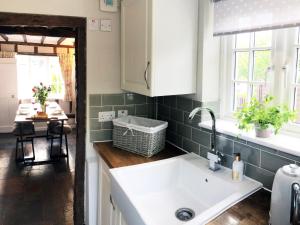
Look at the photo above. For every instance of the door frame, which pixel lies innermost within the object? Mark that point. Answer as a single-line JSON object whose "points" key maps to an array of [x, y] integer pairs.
{"points": [[62, 26]]}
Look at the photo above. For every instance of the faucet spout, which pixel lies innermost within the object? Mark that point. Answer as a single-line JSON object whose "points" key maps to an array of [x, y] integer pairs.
{"points": [[213, 118], [214, 156]]}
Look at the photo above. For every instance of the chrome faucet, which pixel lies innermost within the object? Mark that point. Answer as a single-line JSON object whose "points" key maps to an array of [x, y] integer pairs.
{"points": [[214, 156]]}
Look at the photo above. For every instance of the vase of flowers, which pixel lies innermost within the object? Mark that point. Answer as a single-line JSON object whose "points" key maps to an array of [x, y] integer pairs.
{"points": [[40, 93]]}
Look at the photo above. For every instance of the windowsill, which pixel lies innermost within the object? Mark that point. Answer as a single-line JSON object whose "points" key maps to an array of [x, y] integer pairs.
{"points": [[281, 142]]}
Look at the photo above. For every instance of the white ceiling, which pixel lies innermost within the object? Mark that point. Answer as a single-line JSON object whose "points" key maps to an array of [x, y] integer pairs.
{"points": [[38, 39]]}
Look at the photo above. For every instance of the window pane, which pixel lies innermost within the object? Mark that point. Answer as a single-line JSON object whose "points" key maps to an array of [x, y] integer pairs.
{"points": [[263, 39], [297, 103], [298, 67], [260, 91], [262, 60], [242, 40], [241, 66], [240, 94]]}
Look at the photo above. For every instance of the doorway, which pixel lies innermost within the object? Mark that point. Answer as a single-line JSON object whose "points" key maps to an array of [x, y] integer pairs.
{"points": [[62, 26]]}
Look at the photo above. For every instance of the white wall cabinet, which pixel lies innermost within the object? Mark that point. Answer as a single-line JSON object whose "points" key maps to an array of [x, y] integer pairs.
{"points": [[8, 94], [159, 46], [108, 211]]}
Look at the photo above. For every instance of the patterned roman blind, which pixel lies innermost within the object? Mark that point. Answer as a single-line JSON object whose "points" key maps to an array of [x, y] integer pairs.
{"points": [[236, 16]]}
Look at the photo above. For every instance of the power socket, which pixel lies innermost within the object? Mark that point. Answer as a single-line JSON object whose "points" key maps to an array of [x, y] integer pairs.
{"points": [[106, 116], [122, 113]]}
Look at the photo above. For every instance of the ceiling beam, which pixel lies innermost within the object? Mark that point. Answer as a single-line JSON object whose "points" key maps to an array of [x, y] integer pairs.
{"points": [[60, 40], [4, 37], [43, 39], [24, 38], [36, 44], [45, 31]]}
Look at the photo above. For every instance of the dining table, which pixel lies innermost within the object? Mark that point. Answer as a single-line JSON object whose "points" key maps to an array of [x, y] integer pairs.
{"points": [[30, 113]]}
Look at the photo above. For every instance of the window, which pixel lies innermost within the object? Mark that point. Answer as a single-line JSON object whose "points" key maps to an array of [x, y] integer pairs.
{"points": [[252, 61], [31, 70], [259, 63], [296, 81]]}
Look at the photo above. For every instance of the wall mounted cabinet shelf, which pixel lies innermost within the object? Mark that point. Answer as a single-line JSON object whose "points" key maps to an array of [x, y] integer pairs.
{"points": [[159, 46]]}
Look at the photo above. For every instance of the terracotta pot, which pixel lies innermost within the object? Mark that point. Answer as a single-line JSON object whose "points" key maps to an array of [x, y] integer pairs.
{"points": [[263, 133]]}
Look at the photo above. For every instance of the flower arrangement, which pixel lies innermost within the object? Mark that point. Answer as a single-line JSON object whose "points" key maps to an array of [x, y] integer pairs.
{"points": [[263, 116], [40, 93]]}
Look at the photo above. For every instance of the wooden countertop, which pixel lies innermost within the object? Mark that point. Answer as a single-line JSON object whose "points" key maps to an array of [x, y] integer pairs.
{"points": [[115, 157], [254, 210]]}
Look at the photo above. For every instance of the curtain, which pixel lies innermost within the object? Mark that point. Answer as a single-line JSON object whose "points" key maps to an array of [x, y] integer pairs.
{"points": [[4, 54], [236, 16], [66, 61]]}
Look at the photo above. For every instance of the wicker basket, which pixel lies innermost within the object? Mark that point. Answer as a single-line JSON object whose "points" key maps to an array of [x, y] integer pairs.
{"points": [[139, 135]]}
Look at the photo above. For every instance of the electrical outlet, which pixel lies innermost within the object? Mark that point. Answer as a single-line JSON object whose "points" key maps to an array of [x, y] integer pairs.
{"points": [[122, 113], [106, 116]]}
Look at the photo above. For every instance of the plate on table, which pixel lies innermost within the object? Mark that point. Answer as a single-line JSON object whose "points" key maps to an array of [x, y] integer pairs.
{"points": [[24, 106], [52, 105], [57, 112], [24, 112]]}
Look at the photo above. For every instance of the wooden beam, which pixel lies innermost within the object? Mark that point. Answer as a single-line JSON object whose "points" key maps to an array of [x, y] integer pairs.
{"points": [[46, 31], [24, 38], [60, 40], [4, 37], [62, 26], [35, 44], [37, 54], [43, 39]]}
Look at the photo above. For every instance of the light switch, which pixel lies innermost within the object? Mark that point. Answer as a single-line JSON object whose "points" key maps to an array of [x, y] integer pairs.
{"points": [[105, 25], [93, 24]]}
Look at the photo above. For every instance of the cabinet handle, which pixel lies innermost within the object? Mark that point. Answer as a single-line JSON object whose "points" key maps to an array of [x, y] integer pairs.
{"points": [[146, 75], [112, 203]]}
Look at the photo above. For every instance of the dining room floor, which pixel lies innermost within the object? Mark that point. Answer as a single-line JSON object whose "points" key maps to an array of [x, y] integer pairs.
{"points": [[36, 195]]}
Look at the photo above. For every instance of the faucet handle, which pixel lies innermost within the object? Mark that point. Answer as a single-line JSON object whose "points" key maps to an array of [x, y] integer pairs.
{"points": [[220, 157]]}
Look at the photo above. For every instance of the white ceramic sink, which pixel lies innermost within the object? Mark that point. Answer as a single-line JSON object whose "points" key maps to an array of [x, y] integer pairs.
{"points": [[150, 193]]}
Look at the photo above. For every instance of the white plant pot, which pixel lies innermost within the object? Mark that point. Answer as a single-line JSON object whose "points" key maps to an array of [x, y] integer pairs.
{"points": [[263, 133]]}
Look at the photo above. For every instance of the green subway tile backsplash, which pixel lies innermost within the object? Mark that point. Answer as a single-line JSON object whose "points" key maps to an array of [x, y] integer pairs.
{"points": [[132, 99], [261, 162], [135, 104], [113, 99]]}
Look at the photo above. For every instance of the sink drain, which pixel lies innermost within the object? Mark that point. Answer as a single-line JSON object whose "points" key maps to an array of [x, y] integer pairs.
{"points": [[184, 214]]}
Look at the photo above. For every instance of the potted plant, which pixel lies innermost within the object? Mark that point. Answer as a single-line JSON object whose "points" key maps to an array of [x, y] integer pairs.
{"points": [[265, 117], [40, 93]]}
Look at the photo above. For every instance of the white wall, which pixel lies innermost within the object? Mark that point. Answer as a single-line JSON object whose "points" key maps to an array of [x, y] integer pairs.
{"points": [[103, 56], [208, 73]]}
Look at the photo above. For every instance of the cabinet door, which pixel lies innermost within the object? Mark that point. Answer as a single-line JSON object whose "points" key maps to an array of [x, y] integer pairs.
{"points": [[107, 208], [135, 46]]}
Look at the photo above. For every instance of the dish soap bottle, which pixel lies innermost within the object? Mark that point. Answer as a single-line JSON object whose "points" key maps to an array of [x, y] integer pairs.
{"points": [[237, 168]]}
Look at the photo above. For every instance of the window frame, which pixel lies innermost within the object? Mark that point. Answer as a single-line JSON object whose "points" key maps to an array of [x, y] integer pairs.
{"points": [[282, 39], [251, 50]]}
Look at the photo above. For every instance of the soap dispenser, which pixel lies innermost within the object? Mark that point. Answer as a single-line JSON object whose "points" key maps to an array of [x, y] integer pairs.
{"points": [[237, 168]]}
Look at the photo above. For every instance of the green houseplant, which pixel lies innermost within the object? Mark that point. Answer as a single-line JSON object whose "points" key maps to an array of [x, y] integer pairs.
{"points": [[40, 93], [266, 118]]}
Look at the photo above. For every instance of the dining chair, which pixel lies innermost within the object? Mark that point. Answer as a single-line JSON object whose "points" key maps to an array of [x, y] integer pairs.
{"points": [[25, 133], [54, 131]]}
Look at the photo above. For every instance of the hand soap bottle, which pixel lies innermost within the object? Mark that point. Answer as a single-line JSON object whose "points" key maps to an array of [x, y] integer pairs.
{"points": [[237, 168]]}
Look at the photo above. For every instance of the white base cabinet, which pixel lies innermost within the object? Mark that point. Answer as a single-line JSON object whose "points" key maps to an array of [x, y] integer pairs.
{"points": [[108, 211], [159, 46]]}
